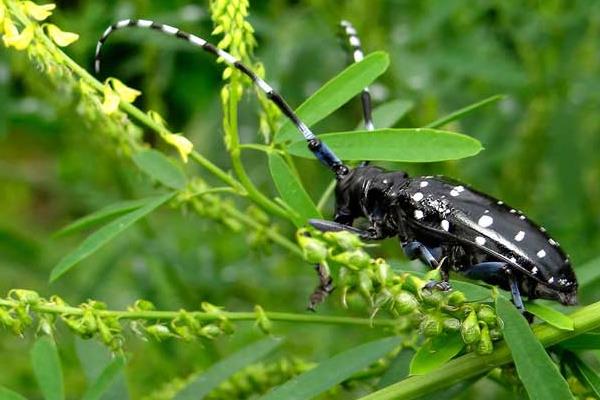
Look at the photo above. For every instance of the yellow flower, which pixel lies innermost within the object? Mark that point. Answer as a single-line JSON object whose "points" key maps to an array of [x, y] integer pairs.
{"points": [[111, 100], [60, 37], [181, 143], [12, 37], [125, 93], [38, 12]]}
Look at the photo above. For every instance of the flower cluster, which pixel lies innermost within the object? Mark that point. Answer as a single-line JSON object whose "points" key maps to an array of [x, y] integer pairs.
{"points": [[431, 312]]}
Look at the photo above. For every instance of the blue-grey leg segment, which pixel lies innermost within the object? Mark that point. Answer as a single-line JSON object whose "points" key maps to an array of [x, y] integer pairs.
{"points": [[414, 250], [490, 269]]}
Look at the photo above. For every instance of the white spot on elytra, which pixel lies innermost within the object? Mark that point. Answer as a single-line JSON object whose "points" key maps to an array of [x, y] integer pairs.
{"points": [[417, 196], [486, 212], [553, 242], [541, 254], [459, 188], [445, 225], [424, 184], [520, 236], [454, 193], [522, 217], [513, 259], [534, 270], [542, 229], [551, 279], [480, 240], [385, 181], [485, 221], [500, 202], [419, 214], [512, 211]]}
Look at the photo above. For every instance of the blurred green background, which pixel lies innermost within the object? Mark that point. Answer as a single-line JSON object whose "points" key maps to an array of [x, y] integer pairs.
{"points": [[541, 155]]}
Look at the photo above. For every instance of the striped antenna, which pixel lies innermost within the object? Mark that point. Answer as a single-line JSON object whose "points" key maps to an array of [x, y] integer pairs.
{"points": [[315, 145]]}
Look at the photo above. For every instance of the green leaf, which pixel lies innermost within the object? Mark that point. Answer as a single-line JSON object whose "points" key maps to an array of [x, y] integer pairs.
{"points": [[588, 274], [535, 368], [399, 368], [47, 369], [7, 394], [105, 380], [102, 215], [336, 92], [406, 145], [585, 341], [551, 316], [222, 370], [388, 114], [105, 234], [291, 190], [435, 352], [586, 373], [333, 371], [463, 112], [161, 168]]}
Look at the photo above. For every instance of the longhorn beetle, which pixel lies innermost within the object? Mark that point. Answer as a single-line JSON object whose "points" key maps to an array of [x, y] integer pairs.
{"points": [[442, 222]]}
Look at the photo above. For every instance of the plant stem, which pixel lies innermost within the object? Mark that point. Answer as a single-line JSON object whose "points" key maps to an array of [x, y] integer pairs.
{"points": [[471, 365], [49, 308]]}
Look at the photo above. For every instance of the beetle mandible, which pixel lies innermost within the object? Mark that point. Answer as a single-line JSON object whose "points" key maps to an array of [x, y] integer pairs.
{"points": [[440, 221]]}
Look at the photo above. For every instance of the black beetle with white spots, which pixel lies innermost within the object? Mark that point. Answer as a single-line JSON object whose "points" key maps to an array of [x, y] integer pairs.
{"points": [[444, 223]]}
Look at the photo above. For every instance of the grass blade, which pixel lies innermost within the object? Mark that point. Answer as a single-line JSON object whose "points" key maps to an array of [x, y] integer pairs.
{"points": [[161, 168], [463, 112], [336, 92], [585, 373], [106, 378], [435, 352], [535, 368], [551, 316], [104, 235], [222, 370], [388, 114], [102, 215], [7, 394], [399, 368], [406, 145], [47, 368], [291, 190], [333, 371]]}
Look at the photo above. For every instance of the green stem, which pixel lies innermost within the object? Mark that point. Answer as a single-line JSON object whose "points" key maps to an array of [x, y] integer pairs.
{"points": [[471, 365], [326, 195], [48, 308]]}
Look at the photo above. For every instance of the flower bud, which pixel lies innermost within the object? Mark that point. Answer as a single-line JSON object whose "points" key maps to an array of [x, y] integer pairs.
{"points": [[413, 284], [262, 321], [356, 258], [344, 239], [24, 296], [405, 303], [451, 325], [210, 331], [495, 334], [143, 305], [365, 284], [487, 315], [470, 329], [432, 298], [431, 326], [456, 298], [382, 297], [382, 271], [314, 250], [105, 334], [433, 275], [485, 345], [158, 331]]}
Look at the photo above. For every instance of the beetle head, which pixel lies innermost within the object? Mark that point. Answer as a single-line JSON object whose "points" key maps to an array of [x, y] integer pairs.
{"points": [[566, 296]]}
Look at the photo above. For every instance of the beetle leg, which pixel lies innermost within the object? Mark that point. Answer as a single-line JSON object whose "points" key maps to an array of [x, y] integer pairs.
{"points": [[332, 226], [414, 250], [323, 289]]}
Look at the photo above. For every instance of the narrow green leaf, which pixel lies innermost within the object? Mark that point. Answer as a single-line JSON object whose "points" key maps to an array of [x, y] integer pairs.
{"points": [[106, 378], [588, 274], [551, 316], [535, 368], [406, 145], [336, 92], [105, 234], [435, 352], [160, 167], [291, 190], [47, 369], [7, 394], [463, 112], [102, 215], [585, 341], [388, 114], [399, 368], [586, 373], [333, 371], [221, 371]]}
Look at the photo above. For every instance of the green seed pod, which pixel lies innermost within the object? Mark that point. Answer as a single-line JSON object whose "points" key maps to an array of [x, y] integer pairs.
{"points": [[382, 271], [5, 318], [357, 259], [431, 326], [262, 321], [382, 297], [470, 329], [105, 334], [365, 285], [405, 303], [487, 315], [314, 250], [344, 239], [211, 331], [24, 296], [495, 334], [142, 305], [456, 298], [451, 324], [432, 298], [158, 331], [413, 284], [485, 345]]}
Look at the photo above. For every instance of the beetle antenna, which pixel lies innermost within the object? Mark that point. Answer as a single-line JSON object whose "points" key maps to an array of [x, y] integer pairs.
{"points": [[315, 145], [357, 55]]}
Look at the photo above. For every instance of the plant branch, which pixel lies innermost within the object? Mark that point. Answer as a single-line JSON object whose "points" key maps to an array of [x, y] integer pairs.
{"points": [[471, 365]]}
